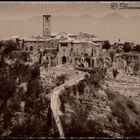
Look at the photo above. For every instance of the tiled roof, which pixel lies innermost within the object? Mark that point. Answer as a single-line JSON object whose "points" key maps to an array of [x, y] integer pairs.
{"points": [[32, 38]]}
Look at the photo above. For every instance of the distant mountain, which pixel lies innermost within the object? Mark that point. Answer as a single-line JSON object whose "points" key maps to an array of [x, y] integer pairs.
{"points": [[112, 26], [114, 16]]}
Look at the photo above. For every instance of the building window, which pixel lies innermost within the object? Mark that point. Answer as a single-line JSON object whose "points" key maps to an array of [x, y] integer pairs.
{"points": [[64, 60], [26, 49], [63, 50], [64, 44], [31, 48]]}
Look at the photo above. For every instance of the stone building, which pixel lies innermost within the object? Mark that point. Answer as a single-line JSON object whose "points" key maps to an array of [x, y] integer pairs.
{"points": [[72, 50], [65, 52], [61, 48]]}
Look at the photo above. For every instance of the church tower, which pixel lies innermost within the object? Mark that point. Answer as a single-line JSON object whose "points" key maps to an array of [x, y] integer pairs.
{"points": [[46, 25]]}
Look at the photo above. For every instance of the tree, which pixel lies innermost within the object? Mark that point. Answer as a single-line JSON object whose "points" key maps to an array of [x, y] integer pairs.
{"points": [[106, 45], [61, 79], [112, 54], [9, 47], [127, 47], [137, 48], [1, 44], [136, 67]]}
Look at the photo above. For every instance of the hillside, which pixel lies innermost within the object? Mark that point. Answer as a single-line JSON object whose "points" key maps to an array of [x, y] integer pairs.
{"points": [[105, 112]]}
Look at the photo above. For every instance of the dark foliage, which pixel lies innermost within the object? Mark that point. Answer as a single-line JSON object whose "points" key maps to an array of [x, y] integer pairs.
{"points": [[127, 112], [106, 45], [137, 48], [112, 55], [127, 47], [61, 79], [9, 46]]}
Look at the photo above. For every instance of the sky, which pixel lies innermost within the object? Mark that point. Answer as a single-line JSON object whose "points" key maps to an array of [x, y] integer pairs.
{"points": [[25, 10]]}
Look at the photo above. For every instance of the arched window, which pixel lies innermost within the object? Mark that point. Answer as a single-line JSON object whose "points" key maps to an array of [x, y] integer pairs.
{"points": [[26, 49], [31, 48], [64, 60]]}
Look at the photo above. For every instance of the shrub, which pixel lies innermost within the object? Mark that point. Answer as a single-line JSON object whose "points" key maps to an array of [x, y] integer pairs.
{"points": [[81, 87], [61, 79], [75, 90], [136, 67], [127, 47], [76, 125], [127, 112], [112, 55], [137, 48], [9, 46], [106, 45], [96, 77]]}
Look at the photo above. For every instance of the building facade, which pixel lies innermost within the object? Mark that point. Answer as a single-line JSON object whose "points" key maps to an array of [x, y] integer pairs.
{"points": [[62, 48]]}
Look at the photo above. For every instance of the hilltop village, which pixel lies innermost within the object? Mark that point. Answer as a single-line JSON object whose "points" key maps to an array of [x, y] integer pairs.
{"points": [[81, 50], [67, 85], [62, 48]]}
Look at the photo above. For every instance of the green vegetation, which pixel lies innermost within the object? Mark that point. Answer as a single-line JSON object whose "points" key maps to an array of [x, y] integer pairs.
{"points": [[36, 107], [127, 112], [112, 54], [127, 47], [79, 99], [86, 114], [61, 79], [137, 48], [21, 83], [106, 45], [84, 108]]}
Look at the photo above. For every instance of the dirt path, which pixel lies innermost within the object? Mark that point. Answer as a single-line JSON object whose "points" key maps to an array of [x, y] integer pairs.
{"points": [[55, 101]]}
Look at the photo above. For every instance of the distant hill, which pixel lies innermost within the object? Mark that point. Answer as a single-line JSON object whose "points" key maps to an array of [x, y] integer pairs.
{"points": [[112, 26]]}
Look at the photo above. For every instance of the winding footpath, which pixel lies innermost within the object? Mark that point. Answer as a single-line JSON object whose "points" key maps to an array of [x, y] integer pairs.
{"points": [[55, 100]]}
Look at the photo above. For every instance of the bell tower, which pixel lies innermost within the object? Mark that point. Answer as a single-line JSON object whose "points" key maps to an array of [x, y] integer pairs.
{"points": [[46, 25]]}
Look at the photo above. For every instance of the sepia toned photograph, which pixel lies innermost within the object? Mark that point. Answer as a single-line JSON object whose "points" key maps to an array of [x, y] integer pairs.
{"points": [[69, 69]]}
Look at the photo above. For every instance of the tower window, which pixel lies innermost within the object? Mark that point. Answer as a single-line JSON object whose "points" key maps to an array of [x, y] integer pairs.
{"points": [[64, 44]]}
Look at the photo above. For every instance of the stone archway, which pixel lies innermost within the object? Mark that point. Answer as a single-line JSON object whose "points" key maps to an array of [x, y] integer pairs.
{"points": [[64, 60]]}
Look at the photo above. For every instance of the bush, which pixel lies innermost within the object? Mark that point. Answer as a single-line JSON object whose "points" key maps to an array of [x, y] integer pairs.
{"points": [[112, 55], [61, 79], [127, 47], [9, 46], [74, 124], [106, 45], [136, 68], [97, 77], [81, 87], [34, 118], [137, 48], [127, 112]]}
